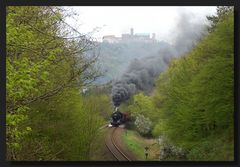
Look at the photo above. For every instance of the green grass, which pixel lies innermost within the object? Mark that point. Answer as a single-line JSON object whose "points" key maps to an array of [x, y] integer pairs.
{"points": [[136, 144], [133, 145]]}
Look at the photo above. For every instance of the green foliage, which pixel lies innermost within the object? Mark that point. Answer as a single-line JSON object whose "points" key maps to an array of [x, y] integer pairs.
{"points": [[214, 148], [195, 97], [170, 152], [64, 130], [48, 118], [130, 140], [222, 13], [43, 59], [102, 98], [143, 105]]}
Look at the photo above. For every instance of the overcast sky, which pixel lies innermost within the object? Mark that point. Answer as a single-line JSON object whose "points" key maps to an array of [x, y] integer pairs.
{"points": [[113, 20]]}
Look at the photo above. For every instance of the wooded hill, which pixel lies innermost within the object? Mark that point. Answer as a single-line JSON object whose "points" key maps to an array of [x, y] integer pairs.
{"points": [[192, 106], [47, 116]]}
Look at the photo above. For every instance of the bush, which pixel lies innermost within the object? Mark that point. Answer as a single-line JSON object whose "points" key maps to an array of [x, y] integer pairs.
{"points": [[143, 124], [170, 152]]}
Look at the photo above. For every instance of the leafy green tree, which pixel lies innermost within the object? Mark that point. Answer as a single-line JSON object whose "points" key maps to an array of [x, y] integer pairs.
{"points": [[195, 96], [143, 105], [44, 57], [62, 129], [222, 12]]}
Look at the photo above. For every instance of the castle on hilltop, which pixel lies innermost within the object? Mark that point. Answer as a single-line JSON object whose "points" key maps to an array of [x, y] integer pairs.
{"points": [[139, 37]]}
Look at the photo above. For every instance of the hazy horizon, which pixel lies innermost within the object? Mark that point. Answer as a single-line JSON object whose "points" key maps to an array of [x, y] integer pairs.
{"points": [[112, 20]]}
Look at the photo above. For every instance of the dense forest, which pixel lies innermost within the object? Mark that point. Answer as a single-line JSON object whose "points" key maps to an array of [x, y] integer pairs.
{"points": [[191, 107], [46, 71], [49, 117]]}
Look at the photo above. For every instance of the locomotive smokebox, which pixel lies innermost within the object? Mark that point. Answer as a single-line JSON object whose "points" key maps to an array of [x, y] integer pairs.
{"points": [[118, 117]]}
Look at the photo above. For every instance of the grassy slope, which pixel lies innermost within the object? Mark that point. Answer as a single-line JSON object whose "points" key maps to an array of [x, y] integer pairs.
{"points": [[136, 144]]}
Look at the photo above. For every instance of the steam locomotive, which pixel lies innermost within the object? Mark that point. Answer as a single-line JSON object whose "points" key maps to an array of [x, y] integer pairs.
{"points": [[118, 118]]}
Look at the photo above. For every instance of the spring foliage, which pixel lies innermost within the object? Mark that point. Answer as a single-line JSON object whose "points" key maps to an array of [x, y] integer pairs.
{"points": [[45, 71], [193, 98]]}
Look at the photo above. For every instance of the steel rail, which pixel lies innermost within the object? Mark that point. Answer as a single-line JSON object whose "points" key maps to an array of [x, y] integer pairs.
{"points": [[113, 141]]}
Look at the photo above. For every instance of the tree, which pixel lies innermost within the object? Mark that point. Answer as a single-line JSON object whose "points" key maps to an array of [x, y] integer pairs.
{"points": [[195, 96], [143, 124], [144, 105], [222, 12], [45, 55]]}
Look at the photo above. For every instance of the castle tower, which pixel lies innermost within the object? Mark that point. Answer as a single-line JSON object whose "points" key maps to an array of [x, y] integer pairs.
{"points": [[132, 32], [153, 36]]}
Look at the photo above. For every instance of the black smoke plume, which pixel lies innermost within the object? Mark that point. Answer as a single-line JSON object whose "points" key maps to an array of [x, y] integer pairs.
{"points": [[141, 73]]}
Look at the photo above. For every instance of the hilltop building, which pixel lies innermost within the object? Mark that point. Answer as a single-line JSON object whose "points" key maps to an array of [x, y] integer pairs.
{"points": [[139, 37], [111, 39]]}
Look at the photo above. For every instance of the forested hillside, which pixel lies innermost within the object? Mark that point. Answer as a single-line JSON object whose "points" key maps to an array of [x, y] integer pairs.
{"points": [[62, 90], [115, 58], [191, 108], [46, 70]]}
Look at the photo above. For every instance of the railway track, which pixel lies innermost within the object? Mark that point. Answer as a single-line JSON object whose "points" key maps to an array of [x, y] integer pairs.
{"points": [[113, 147]]}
